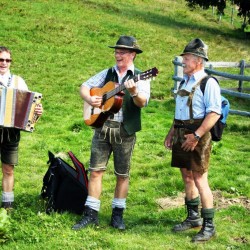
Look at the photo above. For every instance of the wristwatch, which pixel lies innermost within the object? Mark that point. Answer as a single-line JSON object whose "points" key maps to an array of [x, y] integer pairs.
{"points": [[197, 137], [134, 95]]}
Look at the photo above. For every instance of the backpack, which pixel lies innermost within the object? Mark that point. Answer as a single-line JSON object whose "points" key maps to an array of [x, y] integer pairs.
{"points": [[217, 129], [64, 188]]}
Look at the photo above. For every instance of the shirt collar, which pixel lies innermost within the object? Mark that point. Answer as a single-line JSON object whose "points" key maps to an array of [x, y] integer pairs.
{"points": [[196, 76], [5, 78], [131, 68]]}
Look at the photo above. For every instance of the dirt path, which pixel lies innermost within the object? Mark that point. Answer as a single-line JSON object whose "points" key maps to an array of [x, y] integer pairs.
{"points": [[220, 202]]}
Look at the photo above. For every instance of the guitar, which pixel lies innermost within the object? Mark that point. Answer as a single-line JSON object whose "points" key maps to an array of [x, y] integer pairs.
{"points": [[112, 98]]}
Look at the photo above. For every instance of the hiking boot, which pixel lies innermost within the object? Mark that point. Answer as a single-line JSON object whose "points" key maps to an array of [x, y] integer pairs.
{"points": [[90, 217], [207, 231], [193, 220], [117, 218]]}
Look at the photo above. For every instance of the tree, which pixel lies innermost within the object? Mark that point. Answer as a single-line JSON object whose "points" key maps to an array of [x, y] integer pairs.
{"points": [[244, 10], [243, 7], [205, 4]]}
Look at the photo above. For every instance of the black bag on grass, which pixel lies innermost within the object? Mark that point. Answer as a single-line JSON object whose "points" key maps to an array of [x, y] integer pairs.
{"points": [[65, 188]]}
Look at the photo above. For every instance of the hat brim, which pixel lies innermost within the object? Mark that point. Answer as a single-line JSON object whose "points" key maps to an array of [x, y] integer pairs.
{"points": [[138, 51], [196, 54]]}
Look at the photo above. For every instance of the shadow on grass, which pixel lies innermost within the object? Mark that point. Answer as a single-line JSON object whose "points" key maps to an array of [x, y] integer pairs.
{"points": [[165, 21], [29, 202]]}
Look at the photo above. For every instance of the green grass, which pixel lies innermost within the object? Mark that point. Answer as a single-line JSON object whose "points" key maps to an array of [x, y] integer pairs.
{"points": [[56, 46]]}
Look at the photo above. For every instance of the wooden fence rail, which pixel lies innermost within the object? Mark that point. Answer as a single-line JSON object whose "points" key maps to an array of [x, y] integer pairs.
{"points": [[209, 69]]}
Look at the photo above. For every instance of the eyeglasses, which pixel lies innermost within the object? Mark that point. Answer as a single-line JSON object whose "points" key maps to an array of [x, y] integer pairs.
{"points": [[121, 52], [6, 60]]}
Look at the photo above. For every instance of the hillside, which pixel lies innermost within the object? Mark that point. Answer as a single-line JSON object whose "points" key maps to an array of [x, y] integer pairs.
{"points": [[58, 44]]}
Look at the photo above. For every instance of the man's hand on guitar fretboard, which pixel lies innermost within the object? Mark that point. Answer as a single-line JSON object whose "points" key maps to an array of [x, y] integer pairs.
{"points": [[131, 86]]}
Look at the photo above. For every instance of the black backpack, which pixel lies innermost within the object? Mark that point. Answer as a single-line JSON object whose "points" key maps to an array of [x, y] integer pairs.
{"points": [[217, 129], [64, 188]]}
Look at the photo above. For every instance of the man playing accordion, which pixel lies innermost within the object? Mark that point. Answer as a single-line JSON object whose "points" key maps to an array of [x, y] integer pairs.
{"points": [[10, 137]]}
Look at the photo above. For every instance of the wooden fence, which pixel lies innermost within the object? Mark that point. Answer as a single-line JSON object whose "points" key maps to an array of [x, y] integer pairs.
{"points": [[209, 68]]}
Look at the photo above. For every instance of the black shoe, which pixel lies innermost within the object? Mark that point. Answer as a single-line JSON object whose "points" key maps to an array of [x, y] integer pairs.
{"points": [[117, 218], [193, 220], [90, 217], [206, 233], [7, 205]]}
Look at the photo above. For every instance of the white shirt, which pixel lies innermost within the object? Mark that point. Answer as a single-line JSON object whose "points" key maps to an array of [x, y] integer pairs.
{"points": [[8, 80]]}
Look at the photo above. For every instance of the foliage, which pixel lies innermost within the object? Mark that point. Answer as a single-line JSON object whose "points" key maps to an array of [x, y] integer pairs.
{"points": [[244, 10], [58, 44], [220, 4], [243, 6], [4, 225]]}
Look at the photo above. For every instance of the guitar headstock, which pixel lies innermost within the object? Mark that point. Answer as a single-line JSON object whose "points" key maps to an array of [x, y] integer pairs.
{"points": [[149, 73]]}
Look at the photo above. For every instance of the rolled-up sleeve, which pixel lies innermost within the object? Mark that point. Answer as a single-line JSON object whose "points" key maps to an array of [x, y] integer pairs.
{"points": [[96, 80], [212, 97], [144, 88]]}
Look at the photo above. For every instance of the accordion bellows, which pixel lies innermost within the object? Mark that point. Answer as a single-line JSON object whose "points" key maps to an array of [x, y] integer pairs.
{"points": [[17, 108]]}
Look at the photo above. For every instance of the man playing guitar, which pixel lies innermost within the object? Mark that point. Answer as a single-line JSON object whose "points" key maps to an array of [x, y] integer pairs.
{"points": [[117, 133]]}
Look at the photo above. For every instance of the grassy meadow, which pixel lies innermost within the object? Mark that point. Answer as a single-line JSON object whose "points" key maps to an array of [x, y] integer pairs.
{"points": [[58, 44]]}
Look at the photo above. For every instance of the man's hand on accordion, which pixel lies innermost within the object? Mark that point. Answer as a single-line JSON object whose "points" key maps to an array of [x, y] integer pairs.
{"points": [[39, 109]]}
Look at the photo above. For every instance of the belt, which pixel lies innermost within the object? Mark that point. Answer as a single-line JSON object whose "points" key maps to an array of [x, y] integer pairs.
{"points": [[188, 124]]}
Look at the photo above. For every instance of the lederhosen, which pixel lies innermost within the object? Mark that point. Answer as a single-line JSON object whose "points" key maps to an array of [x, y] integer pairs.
{"points": [[116, 137], [197, 160]]}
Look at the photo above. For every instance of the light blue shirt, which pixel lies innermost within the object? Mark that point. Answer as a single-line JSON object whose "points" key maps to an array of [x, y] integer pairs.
{"points": [[202, 104]]}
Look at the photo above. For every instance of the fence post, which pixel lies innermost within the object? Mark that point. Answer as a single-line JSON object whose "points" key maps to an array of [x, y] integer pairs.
{"points": [[242, 67], [178, 72], [210, 67]]}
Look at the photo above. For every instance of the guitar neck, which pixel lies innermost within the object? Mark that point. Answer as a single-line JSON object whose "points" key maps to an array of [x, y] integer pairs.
{"points": [[118, 89]]}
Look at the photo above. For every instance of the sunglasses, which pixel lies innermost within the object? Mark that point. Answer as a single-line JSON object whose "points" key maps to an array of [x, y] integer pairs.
{"points": [[6, 60]]}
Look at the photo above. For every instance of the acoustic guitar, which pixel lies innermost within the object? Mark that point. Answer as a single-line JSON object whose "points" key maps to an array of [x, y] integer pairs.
{"points": [[112, 98]]}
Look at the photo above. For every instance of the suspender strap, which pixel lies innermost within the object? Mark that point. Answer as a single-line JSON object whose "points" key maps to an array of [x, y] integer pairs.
{"points": [[190, 100]]}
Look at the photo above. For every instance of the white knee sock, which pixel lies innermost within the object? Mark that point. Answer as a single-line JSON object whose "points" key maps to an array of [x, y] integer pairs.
{"points": [[120, 203], [93, 203], [7, 196]]}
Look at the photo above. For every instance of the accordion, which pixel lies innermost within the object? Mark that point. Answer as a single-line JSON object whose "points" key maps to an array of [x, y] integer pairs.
{"points": [[17, 108]]}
